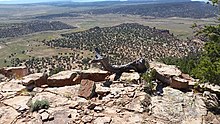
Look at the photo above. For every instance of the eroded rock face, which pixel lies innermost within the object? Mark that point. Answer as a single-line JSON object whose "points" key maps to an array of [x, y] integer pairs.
{"points": [[179, 83], [16, 72], [120, 102], [36, 79], [171, 75], [91, 74], [9, 89], [87, 89], [63, 78]]}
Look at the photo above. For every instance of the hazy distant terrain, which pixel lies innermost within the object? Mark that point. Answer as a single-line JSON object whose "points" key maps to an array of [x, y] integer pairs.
{"points": [[23, 27], [184, 10], [18, 29]]}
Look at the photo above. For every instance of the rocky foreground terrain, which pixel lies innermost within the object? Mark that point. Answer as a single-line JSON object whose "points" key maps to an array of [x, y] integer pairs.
{"points": [[90, 96]]}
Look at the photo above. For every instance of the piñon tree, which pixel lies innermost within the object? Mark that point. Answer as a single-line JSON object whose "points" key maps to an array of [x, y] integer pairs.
{"points": [[208, 68]]}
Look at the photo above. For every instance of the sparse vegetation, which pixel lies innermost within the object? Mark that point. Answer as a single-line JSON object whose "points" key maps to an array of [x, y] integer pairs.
{"points": [[39, 104], [133, 39], [206, 66], [19, 29], [148, 77]]}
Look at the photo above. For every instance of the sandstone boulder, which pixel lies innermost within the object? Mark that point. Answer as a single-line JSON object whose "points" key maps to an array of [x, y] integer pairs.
{"points": [[179, 83], [16, 72], [61, 115], [87, 89], [63, 78], [164, 72], [36, 79], [96, 75]]}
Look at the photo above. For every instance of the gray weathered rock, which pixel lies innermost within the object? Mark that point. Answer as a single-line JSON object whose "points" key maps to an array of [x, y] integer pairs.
{"points": [[98, 109], [66, 91], [44, 116], [102, 120], [136, 104], [103, 91], [176, 106], [87, 119]]}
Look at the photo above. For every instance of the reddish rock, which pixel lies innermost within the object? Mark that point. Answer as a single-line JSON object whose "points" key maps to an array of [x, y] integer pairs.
{"points": [[163, 78], [36, 79], [179, 83], [63, 78], [87, 89], [17, 72], [92, 74]]}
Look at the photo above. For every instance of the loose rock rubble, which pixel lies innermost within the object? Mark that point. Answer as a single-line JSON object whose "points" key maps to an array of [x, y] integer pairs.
{"points": [[93, 102]]}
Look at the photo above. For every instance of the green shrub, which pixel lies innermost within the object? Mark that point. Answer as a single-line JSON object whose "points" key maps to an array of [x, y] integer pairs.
{"points": [[149, 76], [39, 104], [185, 64], [56, 70]]}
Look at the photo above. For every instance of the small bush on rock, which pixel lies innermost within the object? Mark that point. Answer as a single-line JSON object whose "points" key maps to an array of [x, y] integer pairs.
{"points": [[39, 104], [148, 77]]}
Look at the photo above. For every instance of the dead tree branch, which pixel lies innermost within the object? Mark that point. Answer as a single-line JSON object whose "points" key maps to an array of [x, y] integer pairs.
{"points": [[138, 65]]}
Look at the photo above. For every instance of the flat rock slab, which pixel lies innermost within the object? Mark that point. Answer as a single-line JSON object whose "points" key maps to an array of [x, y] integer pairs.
{"points": [[18, 102], [36, 79], [87, 89], [67, 91], [96, 75], [11, 87], [136, 104], [169, 70], [63, 78], [7, 114], [53, 99]]}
